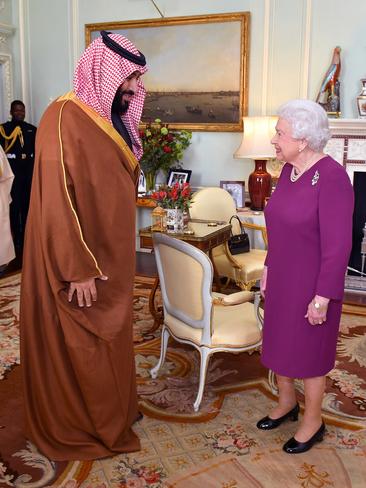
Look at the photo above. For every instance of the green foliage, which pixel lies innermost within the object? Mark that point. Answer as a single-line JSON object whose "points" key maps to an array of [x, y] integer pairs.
{"points": [[163, 147]]}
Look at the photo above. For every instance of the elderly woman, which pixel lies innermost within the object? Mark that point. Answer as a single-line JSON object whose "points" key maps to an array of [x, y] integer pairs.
{"points": [[309, 223]]}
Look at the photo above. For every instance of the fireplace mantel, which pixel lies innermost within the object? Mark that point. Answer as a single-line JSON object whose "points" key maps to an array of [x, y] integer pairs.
{"points": [[348, 144], [356, 127]]}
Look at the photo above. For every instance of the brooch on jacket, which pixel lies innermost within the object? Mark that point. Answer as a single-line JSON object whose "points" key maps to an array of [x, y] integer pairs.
{"points": [[315, 179]]}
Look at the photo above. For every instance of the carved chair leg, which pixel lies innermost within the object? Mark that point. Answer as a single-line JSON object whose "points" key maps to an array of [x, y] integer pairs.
{"points": [[164, 344], [156, 312], [246, 285], [205, 355]]}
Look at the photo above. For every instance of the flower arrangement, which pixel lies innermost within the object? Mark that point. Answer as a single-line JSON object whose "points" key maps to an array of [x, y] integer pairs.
{"points": [[163, 149], [176, 196]]}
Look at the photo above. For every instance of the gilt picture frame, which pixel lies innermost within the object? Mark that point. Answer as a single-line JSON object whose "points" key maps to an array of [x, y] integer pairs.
{"points": [[198, 68]]}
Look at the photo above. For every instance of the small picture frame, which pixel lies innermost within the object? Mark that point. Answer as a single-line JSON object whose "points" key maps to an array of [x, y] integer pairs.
{"points": [[178, 176], [142, 183], [236, 190]]}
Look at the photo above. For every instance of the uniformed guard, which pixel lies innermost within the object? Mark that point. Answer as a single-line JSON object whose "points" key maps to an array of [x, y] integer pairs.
{"points": [[17, 137]]}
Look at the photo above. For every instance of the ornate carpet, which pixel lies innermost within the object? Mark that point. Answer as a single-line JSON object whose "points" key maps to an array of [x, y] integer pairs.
{"points": [[217, 447]]}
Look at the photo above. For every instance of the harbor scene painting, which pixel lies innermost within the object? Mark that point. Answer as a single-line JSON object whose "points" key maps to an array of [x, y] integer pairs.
{"points": [[197, 68], [192, 107]]}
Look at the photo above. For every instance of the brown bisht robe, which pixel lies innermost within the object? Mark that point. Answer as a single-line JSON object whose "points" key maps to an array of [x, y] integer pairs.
{"points": [[78, 363]]}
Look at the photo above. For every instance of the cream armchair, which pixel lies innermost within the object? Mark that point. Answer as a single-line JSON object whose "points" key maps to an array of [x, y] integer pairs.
{"points": [[246, 268], [193, 314]]}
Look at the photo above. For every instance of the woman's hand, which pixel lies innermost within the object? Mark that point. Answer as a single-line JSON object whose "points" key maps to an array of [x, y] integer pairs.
{"points": [[263, 282], [86, 291], [317, 310]]}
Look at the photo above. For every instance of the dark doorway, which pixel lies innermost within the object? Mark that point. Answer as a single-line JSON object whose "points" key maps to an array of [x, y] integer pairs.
{"points": [[359, 219]]}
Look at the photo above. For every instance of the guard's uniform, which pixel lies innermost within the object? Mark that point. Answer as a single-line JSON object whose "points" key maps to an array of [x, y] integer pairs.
{"points": [[18, 140]]}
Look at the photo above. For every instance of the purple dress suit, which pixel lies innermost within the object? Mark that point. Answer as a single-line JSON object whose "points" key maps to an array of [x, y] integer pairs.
{"points": [[309, 224]]}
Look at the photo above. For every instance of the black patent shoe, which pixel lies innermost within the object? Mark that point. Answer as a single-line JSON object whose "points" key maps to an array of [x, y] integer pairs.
{"points": [[266, 423], [293, 446]]}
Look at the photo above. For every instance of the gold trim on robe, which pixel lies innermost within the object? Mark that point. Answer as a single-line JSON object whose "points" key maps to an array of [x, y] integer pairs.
{"points": [[103, 124]]}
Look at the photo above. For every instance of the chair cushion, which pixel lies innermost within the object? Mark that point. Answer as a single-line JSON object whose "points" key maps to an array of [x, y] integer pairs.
{"points": [[232, 326], [251, 264]]}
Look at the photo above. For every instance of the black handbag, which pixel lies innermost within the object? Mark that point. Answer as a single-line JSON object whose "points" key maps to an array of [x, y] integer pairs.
{"points": [[238, 243]]}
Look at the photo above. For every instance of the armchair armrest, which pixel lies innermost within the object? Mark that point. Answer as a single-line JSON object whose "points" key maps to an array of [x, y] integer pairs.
{"points": [[233, 298], [249, 225]]}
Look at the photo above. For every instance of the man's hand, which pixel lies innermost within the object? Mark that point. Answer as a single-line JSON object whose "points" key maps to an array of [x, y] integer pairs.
{"points": [[86, 291]]}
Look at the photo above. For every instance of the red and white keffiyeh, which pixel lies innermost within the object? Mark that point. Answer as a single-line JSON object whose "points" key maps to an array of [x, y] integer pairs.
{"points": [[98, 75]]}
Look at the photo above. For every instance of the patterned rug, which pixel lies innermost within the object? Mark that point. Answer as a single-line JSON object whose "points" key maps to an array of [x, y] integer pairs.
{"points": [[219, 446]]}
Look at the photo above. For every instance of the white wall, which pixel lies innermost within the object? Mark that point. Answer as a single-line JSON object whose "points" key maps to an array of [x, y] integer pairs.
{"points": [[291, 45]]}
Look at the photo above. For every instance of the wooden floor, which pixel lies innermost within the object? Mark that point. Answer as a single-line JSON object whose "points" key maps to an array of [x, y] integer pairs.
{"points": [[353, 298]]}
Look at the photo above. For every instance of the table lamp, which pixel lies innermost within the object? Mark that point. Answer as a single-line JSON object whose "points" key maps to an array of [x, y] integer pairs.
{"points": [[257, 134]]}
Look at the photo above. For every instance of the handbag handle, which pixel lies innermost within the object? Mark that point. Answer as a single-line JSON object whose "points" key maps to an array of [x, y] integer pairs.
{"points": [[240, 225]]}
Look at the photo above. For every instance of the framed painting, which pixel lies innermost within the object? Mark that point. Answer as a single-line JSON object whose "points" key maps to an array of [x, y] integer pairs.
{"points": [[198, 68]]}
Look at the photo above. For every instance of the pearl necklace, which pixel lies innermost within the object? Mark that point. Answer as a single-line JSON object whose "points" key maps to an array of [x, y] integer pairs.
{"points": [[294, 176]]}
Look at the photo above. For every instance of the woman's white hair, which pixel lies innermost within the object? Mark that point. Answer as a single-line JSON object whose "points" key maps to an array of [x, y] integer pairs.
{"points": [[308, 121]]}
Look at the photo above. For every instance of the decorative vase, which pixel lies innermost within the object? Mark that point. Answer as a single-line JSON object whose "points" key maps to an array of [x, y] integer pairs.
{"points": [[259, 185], [174, 221], [361, 101], [150, 181]]}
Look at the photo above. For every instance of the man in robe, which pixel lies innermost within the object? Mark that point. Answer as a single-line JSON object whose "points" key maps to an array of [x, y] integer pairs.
{"points": [[79, 261], [6, 242], [17, 138]]}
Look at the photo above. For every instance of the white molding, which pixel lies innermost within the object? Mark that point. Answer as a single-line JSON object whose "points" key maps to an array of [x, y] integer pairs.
{"points": [[74, 37], [6, 29], [23, 46], [306, 39], [265, 56], [354, 127], [6, 62], [269, 69]]}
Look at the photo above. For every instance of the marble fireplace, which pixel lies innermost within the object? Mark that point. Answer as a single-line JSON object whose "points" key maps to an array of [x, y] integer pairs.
{"points": [[348, 147]]}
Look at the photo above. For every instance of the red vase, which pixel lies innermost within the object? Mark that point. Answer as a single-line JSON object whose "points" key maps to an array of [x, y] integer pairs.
{"points": [[259, 185]]}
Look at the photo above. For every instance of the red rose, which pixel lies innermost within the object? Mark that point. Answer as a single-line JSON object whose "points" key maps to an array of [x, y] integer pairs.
{"points": [[167, 149], [162, 195], [155, 195], [141, 133], [170, 138], [174, 194]]}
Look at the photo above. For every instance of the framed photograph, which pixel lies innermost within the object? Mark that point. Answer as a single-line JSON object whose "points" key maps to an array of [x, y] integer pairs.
{"points": [[178, 176], [198, 68], [142, 183], [236, 190]]}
